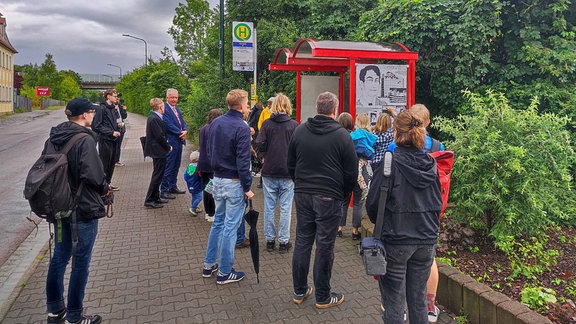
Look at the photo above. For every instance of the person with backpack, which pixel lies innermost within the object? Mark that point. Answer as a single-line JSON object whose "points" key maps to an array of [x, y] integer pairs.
{"points": [[431, 145], [411, 221], [85, 171]]}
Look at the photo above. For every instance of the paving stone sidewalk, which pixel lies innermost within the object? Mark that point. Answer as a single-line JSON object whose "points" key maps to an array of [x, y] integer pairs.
{"points": [[146, 266]]}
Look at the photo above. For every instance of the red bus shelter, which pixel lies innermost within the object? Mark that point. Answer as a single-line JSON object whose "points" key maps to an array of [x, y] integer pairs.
{"points": [[342, 56]]}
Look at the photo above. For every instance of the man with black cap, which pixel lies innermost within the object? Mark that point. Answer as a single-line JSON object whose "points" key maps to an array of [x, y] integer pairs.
{"points": [[106, 126], [84, 166]]}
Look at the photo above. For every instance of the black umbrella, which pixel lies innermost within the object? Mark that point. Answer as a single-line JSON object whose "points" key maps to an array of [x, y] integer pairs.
{"points": [[143, 142], [252, 218]]}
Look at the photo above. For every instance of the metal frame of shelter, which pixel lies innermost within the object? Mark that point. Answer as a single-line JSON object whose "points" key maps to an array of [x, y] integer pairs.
{"points": [[341, 56]]}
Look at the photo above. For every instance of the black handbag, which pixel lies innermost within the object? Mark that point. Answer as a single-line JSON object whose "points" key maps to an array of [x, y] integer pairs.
{"points": [[372, 249]]}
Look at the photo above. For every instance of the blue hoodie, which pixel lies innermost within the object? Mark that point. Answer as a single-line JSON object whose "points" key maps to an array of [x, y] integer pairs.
{"points": [[364, 143]]}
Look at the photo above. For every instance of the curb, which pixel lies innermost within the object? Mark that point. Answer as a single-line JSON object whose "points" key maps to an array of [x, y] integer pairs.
{"points": [[461, 294]]}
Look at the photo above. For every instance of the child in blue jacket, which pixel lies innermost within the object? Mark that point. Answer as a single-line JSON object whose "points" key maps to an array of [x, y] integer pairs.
{"points": [[194, 183]]}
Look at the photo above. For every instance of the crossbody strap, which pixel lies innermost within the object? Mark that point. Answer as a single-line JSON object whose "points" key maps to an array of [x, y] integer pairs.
{"points": [[384, 188]]}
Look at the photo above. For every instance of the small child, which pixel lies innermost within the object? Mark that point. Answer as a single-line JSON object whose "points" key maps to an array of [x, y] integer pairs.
{"points": [[194, 183]]}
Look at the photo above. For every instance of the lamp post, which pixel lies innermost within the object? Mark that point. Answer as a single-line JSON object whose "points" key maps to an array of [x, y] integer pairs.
{"points": [[117, 67], [145, 47]]}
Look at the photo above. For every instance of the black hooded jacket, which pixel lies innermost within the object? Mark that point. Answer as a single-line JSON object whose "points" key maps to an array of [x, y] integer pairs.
{"points": [[272, 144], [414, 201], [104, 123], [83, 164], [322, 159]]}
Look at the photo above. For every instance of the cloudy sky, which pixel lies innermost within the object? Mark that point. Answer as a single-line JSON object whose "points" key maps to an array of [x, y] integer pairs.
{"points": [[86, 35]]}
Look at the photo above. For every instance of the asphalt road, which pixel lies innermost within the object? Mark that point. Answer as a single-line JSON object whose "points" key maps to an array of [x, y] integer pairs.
{"points": [[22, 137]]}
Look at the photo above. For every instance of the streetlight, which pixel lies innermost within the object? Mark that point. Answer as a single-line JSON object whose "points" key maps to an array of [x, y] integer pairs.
{"points": [[117, 67], [145, 47]]}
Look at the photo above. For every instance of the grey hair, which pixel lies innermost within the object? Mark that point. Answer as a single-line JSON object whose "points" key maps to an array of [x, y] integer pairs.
{"points": [[327, 103]]}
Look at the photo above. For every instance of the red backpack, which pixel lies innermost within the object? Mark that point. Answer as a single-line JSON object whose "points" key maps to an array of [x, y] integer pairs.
{"points": [[444, 162]]}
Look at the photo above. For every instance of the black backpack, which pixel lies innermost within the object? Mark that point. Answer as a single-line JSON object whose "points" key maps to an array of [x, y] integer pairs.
{"points": [[47, 188]]}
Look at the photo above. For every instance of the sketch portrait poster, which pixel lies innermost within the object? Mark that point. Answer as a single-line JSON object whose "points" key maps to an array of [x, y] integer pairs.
{"points": [[379, 86]]}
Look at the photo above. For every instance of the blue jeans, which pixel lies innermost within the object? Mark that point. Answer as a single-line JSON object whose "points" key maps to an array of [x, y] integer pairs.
{"points": [[406, 276], [229, 200], [282, 190], [317, 219], [241, 232], [79, 275], [196, 199]]}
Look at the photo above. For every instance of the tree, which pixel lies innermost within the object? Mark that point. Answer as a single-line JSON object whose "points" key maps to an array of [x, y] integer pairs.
{"points": [[190, 29], [525, 47]]}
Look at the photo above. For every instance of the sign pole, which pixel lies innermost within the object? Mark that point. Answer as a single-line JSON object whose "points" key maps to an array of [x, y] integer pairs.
{"points": [[255, 97]]}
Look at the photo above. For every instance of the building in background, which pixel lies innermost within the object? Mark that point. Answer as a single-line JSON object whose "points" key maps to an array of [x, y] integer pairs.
{"points": [[7, 52]]}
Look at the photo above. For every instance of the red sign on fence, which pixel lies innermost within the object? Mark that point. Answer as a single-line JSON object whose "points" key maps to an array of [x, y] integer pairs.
{"points": [[43, 91]]}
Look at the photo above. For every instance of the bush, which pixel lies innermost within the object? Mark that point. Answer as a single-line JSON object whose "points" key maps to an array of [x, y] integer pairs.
{"points": [[511, 173]]}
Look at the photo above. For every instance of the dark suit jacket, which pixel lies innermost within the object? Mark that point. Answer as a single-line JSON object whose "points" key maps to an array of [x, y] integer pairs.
{"points": [[156, 144]]}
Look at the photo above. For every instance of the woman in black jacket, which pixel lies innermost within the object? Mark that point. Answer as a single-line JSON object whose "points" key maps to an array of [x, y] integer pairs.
{"points": [[410, 229]]}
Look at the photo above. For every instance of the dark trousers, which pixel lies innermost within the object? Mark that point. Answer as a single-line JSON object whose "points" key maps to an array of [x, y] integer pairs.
{"points": [[209, 206], [317, 219], [107, 153], [358, 210], [118, 146], [159, 164]]}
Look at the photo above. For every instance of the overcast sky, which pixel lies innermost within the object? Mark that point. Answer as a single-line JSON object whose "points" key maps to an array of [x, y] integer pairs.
{"points": [[86, 35]]}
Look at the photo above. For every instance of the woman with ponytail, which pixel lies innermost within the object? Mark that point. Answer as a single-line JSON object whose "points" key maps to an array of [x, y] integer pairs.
{"points": [[410, 229]]}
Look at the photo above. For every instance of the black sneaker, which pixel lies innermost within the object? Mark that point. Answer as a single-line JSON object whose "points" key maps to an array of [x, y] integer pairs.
{"points": [[207, 272], [284, 247], [56, 318], [335, 299], [88, 319], [299, 298], [270, 246], [356, 236]]}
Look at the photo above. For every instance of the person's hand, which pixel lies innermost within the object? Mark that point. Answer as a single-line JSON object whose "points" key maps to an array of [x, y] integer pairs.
{"points": [[249, 195], [108, 192], [252, 131], [183, 134], [116, 134], [391, 111]]}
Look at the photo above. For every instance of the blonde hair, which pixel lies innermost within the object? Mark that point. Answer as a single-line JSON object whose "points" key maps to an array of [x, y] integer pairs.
{"points": [[235, 98], [345, 119], [281, 105], [363, 121], [421, 112], [383, 123], [409, 130], [155, 103]]}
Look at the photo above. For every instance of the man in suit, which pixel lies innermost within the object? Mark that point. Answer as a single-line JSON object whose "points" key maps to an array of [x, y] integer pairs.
{"points": [[176, 130], [157, 148]]}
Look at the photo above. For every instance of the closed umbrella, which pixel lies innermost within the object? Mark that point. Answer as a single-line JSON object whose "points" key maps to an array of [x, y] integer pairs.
{"points": [[251, 218]]}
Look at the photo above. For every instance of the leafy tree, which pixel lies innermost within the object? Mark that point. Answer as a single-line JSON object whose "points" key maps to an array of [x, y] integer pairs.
{"points": [[68, 89], [190, 28], [528, 47], [511, 171]]}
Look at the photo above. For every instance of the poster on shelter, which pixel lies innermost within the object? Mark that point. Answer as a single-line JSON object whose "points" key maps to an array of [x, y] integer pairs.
{"points": [[379, 86]]}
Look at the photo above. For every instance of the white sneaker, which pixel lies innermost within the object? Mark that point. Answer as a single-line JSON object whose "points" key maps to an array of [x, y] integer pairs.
{"points": [[433, 316], [209, 218]]}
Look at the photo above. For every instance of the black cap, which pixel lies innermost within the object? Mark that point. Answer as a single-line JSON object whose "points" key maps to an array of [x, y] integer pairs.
{"points": [[78, 106]]}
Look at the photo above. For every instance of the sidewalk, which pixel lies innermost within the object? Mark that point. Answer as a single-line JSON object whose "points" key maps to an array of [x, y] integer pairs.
{"points": [[146, 266]]}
